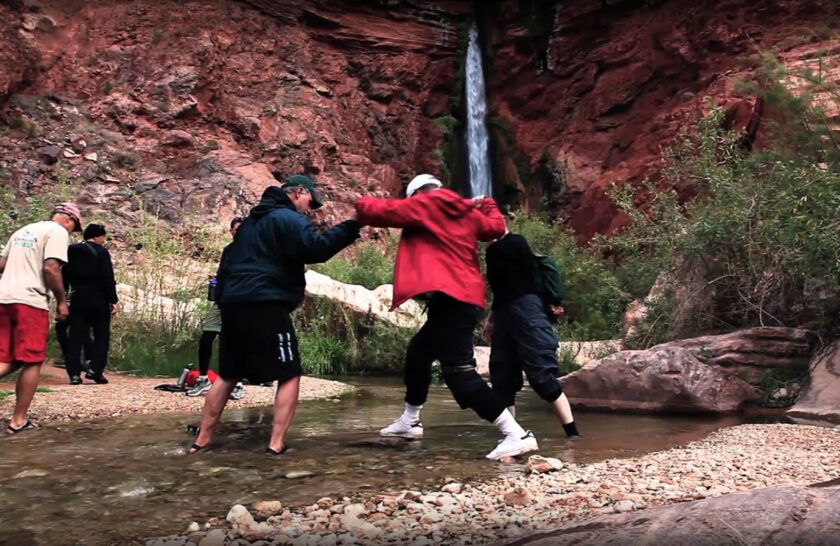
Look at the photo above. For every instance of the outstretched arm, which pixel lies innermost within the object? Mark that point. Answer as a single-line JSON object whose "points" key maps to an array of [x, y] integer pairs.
{"points": [[397, 213], [315, 247], [491, 223]]}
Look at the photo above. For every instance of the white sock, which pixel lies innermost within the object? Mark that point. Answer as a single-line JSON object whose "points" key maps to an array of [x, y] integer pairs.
{"points": [[411, 413], [508, 426], [202, 377]]}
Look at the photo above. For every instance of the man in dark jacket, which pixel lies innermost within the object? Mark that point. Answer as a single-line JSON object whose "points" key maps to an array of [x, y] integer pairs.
{"points": [[260, 282], [437, 259], [90, 275]]}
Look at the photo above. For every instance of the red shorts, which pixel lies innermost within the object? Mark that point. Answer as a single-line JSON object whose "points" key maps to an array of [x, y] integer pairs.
{"points": [[23, 333]]}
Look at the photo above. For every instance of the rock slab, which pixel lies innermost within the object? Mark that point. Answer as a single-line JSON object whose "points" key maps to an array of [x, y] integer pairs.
{"points": [[776, 516], [820, 401]]}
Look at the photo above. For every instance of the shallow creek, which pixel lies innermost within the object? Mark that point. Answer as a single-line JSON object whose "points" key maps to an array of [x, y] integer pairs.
{"points": [[128, 477]]}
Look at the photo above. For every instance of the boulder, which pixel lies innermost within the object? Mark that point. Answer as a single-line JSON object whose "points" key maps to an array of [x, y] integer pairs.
{"points": [[662, 379], [751, 352], [774, 516], [49, 154], [820, 399]]}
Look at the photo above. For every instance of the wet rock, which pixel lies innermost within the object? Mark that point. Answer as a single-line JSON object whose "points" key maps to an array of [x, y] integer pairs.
{"points": [[297, 474], [540, 465], [243, 522], [267, 509], [194, 527], [216, 537], [34, 473], [453, 488]]}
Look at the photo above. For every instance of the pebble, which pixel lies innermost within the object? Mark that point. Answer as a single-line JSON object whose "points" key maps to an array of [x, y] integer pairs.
{"points": [[738, 458]]}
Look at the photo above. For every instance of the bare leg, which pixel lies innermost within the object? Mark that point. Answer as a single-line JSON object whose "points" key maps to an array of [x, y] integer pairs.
{"points": [[285, 404], [214, 405], [27, 384], [562, 409], [8, 367]]}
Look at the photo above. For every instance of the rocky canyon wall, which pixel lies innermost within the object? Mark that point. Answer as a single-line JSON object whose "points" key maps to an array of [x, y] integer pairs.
{"points": [[191, 107]]}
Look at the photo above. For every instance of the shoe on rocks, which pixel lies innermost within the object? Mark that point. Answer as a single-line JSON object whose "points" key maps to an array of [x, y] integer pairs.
{"points": [[75, 380], [202, 385], [512, 446], [401, 429], [97, 378], [238, 392]]}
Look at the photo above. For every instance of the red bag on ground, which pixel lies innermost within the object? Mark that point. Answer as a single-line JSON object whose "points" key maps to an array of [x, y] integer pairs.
{"points": [[192, 377]]}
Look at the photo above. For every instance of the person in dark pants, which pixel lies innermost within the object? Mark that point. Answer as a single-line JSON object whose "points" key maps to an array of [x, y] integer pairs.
{"points": [[438, 260], [260, 282], [90, 275], [211, 328], [519, 329], [63, 337]]}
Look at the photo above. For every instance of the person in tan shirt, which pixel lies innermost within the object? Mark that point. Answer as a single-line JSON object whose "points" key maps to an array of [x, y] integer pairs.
{"points": [[30, 265]]}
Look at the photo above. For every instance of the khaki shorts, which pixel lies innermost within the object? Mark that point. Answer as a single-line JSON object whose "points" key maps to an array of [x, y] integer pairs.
{"points": [[213, 322]]}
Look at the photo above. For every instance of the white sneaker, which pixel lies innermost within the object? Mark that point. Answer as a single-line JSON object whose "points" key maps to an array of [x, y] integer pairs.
{"points": [[238, 392], [511, 446], [202, 385], [401, 429]]}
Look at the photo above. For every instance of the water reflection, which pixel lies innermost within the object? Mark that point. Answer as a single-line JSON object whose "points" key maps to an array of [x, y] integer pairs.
{"points": [[105, 482]]}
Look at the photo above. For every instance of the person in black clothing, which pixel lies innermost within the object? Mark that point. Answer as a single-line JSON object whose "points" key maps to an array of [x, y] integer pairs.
{"points": [[519, 329], [90, 276], [63, 337], [260, 282]]}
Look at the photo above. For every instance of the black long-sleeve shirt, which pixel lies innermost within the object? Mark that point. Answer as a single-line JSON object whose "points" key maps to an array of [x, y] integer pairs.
{"points": [[511, 269], [89, 273]]}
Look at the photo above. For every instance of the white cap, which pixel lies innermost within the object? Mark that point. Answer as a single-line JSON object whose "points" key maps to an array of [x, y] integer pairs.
{"points": [[419, 181]]}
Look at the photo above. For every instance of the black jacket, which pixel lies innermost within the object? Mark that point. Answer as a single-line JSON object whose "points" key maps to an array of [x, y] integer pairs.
{"points": [[266, 260], [89, 274]]}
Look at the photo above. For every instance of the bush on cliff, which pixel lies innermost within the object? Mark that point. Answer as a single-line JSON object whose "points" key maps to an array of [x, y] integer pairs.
{"points": [[763, 228]]}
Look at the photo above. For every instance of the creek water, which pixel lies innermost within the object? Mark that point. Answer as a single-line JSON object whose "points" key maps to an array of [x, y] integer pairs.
{"points": [[477, 141], [109, 481]]}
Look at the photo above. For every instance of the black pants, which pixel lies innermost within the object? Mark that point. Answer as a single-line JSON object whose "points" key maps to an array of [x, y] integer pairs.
{"points": [[523, 341], [205, 350], [84, 318], [447, 336], [63, 338]]}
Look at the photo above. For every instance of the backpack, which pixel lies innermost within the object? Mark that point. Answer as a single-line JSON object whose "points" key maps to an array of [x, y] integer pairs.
{"points": [[550, 280]]}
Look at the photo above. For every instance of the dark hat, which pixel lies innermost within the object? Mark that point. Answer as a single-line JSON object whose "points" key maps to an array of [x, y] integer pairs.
{"points": [[93, 230], [305, 182]]}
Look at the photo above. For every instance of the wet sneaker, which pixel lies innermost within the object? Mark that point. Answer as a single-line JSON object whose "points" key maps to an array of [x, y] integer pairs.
{"points": [[238, 392], [511, 446], [202, 385], [401, 429]]}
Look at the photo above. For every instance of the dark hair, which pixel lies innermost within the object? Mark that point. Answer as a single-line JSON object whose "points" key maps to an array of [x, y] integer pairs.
{"points": [[236, 220], [426, 187]]}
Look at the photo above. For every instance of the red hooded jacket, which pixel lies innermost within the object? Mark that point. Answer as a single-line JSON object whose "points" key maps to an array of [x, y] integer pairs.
{"points": [[438, 247]]}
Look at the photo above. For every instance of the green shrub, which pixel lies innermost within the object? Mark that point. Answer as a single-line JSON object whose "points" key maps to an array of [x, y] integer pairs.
{"points": [[595, 299], [369, 267], [763, 226]]}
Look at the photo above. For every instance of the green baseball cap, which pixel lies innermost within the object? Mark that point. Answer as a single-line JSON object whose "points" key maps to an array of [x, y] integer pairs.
{"points": [[305, 182]]}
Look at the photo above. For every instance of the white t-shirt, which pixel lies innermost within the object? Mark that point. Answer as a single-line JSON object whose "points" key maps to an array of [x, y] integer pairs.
{"points": [[23, 279]]}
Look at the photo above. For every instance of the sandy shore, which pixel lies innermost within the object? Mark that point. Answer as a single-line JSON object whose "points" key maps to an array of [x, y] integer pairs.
{"points": [[126, 395], [735, 459]]}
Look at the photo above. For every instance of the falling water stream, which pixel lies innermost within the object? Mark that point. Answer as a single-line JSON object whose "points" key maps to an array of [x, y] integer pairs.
{"points": [[479, 158], [125, 478]]}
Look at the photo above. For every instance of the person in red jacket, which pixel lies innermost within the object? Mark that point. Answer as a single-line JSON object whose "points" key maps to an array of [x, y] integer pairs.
{"points": [[437, 260]]}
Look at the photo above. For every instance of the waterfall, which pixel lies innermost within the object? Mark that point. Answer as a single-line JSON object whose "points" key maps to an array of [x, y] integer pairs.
{"points": [[479, 158]]}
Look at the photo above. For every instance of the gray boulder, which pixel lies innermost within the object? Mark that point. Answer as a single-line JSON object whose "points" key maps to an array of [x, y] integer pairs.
{"points": [[778, 516], [820, 399]]}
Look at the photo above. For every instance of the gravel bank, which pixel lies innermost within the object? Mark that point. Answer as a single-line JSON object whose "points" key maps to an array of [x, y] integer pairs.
{"points": [[547, 493], [132, 396]]}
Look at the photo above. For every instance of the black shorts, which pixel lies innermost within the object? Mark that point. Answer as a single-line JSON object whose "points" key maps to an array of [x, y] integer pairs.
{"points": [[258, 343]]}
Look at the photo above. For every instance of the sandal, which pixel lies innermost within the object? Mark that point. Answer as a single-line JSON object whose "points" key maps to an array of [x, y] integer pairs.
{"points": [[11, 431], [274, 452], [195, 448]]}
